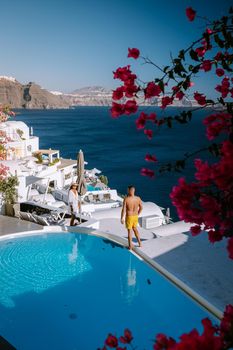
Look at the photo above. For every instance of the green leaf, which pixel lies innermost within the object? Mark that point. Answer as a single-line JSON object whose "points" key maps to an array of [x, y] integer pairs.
{"points": [[229, 107], [181, 55], [193, 55], [226, 66], [177, 61], [196, 69], [165, 69], [171, 74], [161, 85], [221, 100], [218, 41]]}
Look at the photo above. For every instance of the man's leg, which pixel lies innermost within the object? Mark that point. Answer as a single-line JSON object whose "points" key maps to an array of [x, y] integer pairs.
{"points": [[130, 238], [135, 230]]}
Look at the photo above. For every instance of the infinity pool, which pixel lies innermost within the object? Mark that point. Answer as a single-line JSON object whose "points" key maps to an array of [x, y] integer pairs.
{"points": [[67, 291]]}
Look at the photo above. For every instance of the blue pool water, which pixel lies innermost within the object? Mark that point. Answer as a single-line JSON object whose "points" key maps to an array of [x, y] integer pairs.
{"points": [[92, 188], [67, 291]]}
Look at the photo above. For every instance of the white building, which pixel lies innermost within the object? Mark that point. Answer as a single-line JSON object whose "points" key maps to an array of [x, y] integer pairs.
{"points": [[22, 143], [33, 165]]}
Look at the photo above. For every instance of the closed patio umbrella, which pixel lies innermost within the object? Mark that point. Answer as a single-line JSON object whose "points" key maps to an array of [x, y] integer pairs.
{"points": [[80, 176]]}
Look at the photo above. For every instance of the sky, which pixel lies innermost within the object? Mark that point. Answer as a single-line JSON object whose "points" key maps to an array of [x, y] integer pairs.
{"points": [[68, 44]]}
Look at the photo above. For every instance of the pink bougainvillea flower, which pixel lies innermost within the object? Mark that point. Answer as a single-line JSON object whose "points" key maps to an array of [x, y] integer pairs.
{"points": [[147, 172], [230, 251], [166, 100], [148, 133], [130, 107], [209, 31], [214, 236], [160, 122], [150, 158], [206, 65], [130, 90], [127, 337], [217, 124], [191, 83], [118, 93], [117, 109], [143, 118], [220, 72], [124, 74], [141, 121], [195, 230], [203, 173], [226, 325], [129, 80], [3, 171], [222, 172], [219, 56], [111, 341], [224, 88], [175, 88], [152, 90], [134, 53], [200, 51], [190, 13], [151, 116], [163, 342], [179, 95], [200, 98]]}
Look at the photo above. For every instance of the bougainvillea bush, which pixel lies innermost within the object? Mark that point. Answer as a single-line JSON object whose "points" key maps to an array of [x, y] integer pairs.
{"points": [[207, 202], [5, 114], [213, 337]]}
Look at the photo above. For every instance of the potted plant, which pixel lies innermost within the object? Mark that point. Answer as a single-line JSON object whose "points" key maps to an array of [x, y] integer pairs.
{"points": [[104, 179], [8, 191]]}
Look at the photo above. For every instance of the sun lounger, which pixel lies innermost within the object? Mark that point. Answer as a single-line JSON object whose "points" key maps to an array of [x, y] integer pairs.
{"points": [[58, 216], [26, 216], [23, 215], [41, 220]]}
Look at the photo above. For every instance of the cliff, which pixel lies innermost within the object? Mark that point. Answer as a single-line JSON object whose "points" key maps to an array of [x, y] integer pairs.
{"points": [[91, 96], [31, 95]]}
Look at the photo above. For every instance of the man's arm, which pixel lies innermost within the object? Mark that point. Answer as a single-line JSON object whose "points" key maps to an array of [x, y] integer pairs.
{"points": [[140, 207], [123, 210]]}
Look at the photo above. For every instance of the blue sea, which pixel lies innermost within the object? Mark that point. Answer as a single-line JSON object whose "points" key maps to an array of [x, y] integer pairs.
{"points": [[116, 147]]}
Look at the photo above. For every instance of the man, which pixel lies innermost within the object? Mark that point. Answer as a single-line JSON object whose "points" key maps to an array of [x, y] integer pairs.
{"points": [[132, 207]]}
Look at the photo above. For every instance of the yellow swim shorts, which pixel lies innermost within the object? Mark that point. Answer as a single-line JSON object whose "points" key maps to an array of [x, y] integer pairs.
{"points": [[131, 221]]}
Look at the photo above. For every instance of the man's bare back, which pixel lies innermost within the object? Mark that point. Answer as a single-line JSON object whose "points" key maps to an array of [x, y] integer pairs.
{"points": [[132, 205]]}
